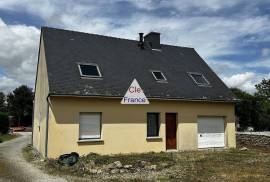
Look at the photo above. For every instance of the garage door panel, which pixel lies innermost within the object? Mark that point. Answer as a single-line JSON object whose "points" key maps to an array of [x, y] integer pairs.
{"points": [[210, 132]]}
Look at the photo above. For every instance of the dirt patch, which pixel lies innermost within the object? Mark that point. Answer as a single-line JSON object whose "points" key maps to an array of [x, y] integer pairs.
{"points": [[208, 165]]}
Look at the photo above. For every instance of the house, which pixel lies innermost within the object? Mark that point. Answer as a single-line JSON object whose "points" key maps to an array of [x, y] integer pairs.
{"points": [[82, 79]]}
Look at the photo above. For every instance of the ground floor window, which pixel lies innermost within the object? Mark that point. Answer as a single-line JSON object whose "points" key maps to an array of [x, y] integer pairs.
{"points": [[90, 126], [152, 124]]}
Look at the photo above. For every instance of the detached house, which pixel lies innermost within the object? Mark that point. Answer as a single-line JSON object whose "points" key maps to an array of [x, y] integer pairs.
{"points": [[82, 79]]}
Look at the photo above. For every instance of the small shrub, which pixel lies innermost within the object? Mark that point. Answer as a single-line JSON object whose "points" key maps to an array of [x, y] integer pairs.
{"points": [[4, 124]]}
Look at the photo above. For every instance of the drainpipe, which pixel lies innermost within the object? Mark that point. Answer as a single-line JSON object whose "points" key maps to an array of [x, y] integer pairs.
{"points": [[33, 112], [47, 128]]}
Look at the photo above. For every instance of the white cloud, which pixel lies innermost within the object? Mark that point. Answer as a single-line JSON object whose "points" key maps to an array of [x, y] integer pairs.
{"points": [[211, 36], [18, 54], [223, 67], [183, 5], [43, 8], [265, 63], [241, 80], [245, 81], [7, 84]]}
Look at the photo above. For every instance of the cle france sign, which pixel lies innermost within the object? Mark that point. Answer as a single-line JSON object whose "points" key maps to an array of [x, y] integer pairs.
{"points": [[134, 95]]}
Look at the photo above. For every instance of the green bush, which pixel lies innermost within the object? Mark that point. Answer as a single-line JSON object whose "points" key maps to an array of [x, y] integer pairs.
{"points": [[4, 124]]}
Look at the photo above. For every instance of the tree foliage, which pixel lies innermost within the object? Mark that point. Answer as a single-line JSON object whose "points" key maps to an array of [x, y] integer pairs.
{"points": [[4, 123], [247, 109], [2, 102], [254, 110], [263, 89], [20, 102]]}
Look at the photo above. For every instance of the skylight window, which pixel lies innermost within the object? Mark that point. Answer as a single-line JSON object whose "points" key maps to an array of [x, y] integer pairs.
{"points": [[159, 76], [89, 70], [199, 79]]}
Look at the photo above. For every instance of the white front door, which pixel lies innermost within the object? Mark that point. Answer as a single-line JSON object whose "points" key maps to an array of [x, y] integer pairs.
{"points": [[210, 132]]}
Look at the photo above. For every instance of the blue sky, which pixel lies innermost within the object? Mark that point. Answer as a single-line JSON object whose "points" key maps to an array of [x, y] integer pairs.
{"points": [[232, 36]]}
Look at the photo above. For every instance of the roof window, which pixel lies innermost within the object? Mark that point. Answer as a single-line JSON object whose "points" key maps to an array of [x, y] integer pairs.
{"points": [[89, 70], [199, 79], [159, 76]]}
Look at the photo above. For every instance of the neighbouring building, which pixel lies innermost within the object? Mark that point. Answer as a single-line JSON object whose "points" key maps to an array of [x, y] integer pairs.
{"points": [[82, 78]]}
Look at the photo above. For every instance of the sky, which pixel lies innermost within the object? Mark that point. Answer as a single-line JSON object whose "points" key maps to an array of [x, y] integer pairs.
{"points": [[232, 36]]}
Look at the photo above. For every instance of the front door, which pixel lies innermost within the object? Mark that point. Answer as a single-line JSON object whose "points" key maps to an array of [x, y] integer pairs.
{"points": [[170, 131]]}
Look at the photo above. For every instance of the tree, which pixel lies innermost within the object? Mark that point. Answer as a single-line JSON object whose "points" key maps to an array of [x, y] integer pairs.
{"points": [[2, 102], [247, 109], [263, 89], [20, 103], [254, 110], [4, 123], [263, 92]]}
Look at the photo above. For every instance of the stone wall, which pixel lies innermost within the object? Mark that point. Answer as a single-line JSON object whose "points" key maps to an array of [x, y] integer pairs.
{"points": [[253, 140]]}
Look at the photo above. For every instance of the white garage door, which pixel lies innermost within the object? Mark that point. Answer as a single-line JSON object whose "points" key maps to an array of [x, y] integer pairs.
{"points": [[210, 132]]}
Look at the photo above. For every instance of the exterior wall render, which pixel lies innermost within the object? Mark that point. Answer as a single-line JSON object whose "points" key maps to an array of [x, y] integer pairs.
{"points": [[40, 104], [124, 127]]}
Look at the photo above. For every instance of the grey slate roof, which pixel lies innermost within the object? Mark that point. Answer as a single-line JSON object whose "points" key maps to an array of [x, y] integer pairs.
{"points": [[120, 61]]}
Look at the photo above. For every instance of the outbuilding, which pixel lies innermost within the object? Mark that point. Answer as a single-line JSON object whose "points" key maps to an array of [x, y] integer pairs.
{"points": [[109, 95]]}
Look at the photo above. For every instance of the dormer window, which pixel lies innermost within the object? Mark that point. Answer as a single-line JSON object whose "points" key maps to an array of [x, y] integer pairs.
{"points": [[89, 70], [199, 79], [159, 76]]}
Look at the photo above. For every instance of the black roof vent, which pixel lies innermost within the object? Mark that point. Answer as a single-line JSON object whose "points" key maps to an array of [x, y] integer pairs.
{"points": [[153, 38], [141, 44]]}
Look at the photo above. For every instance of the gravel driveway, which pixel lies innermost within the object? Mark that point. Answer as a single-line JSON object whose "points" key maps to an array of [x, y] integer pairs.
{"points": [[13, 167]]}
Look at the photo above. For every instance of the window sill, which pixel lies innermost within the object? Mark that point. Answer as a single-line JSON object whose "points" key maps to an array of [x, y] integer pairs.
{"points": [[91, 77], [154, 138], [90, 140]]}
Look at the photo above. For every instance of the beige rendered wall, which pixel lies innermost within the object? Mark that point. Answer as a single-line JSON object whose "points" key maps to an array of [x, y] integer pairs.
{"points": [[124, 126], [40, 103]]}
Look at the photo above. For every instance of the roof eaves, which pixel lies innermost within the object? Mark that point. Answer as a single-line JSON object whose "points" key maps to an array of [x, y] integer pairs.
{"points": [[151, 98]]}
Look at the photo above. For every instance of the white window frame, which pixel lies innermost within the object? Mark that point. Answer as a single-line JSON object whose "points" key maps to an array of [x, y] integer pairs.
{"points": [[199, 74], [89, 76], [90, 137], [160, 80]]}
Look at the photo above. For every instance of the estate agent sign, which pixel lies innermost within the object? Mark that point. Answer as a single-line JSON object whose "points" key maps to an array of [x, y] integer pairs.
{"points": [[134, 95]]}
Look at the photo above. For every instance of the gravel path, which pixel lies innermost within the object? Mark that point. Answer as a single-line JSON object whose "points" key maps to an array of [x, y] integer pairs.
{"points": [[13, 167]]}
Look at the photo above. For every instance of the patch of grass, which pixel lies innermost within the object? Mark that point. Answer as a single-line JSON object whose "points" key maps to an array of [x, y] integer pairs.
{"points": [[231, 165], [29, 153], [218, 165], [7, 137]]}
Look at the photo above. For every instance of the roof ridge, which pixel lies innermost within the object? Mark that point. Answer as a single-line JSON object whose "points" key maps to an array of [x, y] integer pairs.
{"points": [[106, 36], [94, 34], [177, 46]]}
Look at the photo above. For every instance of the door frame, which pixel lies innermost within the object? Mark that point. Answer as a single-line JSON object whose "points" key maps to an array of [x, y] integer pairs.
{"points": [[176, 132]]}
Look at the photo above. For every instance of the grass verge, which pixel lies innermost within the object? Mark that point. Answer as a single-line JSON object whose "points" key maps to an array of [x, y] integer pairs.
{"points": [[6, 137]]}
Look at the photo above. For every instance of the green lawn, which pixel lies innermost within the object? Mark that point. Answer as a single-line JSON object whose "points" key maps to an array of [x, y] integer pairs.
{"points": [[7, 137]]}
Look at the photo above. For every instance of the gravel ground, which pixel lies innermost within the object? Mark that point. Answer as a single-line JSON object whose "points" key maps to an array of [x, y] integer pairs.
{"points": [[265, 133], [13, 167]]}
